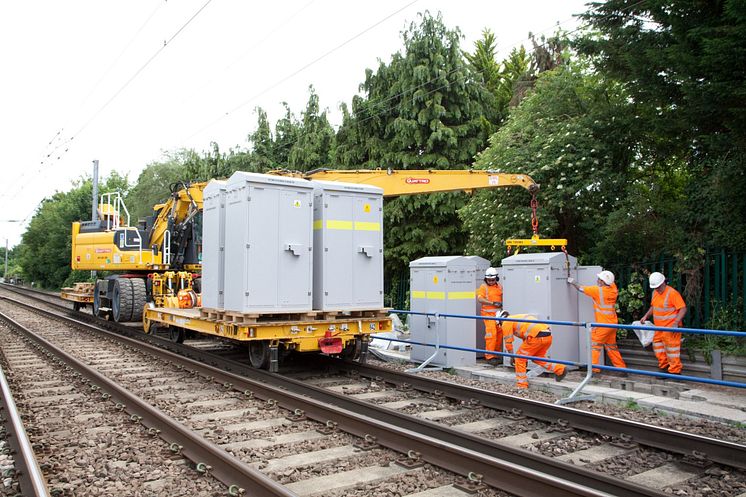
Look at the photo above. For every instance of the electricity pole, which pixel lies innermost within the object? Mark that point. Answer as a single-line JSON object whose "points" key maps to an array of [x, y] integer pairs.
{"points": [[5, 275], [94, 202]]}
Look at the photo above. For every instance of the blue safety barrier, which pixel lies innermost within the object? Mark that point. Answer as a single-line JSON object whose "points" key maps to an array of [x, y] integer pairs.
{"points": [[586, 326]]}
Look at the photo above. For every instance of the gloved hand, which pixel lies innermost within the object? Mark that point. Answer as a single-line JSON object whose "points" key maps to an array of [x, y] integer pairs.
{"points": [[570, 281]]}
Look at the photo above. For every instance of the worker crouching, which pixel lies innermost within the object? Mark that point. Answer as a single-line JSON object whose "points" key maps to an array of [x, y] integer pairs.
{"points": [[537, 338]]}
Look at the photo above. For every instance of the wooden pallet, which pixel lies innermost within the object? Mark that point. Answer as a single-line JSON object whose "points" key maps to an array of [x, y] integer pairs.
{"points": [[356, 313], [260, 317], [210, 314]]}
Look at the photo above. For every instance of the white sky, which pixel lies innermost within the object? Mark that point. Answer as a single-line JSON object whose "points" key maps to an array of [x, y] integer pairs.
{"points": [[75, 74]]}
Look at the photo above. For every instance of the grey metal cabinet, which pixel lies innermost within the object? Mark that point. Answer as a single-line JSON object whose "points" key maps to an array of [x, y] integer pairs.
{"points": [[213, 244], [446, 285], [268, 243], [348, 246]]}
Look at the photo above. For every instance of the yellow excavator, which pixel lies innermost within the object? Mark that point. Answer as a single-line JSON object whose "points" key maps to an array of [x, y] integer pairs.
{"points": [[159, 260]]}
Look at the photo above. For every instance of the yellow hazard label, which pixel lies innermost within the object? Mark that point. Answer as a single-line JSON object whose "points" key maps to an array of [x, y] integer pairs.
{"points": [[537, 278], [366, 208], [435, 280], [296, 204]]}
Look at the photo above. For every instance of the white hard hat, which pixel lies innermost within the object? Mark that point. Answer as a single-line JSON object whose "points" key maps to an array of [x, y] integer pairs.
{"points": [[606, 276], [490, 273], [656, 279]]}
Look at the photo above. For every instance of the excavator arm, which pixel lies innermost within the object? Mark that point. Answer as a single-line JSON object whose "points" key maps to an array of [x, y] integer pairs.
{"points": [[410, 182]]}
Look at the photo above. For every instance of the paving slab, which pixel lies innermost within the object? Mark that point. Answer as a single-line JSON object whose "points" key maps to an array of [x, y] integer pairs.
{"points": [[733, 399], [347, 479], [592, 455], [261, 443], [663, 476], [692, 408], [307, 458], [446, 491]]}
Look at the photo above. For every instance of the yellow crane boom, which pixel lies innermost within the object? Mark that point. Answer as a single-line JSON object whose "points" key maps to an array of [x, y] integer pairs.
{"points": [[413, 181]]}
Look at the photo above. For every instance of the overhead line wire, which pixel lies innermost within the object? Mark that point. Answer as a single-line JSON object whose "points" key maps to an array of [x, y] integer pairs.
{"points": [[301, 69]]}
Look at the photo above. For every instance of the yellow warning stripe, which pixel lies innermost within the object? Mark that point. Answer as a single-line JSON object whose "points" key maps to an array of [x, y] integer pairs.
{"points": [[338, 225], [461, 295], [367, 226], [419, 294]]}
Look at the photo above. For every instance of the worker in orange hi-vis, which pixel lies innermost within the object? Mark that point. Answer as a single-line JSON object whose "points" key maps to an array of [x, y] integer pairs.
{"points": [[668, 309], [537, 338], [490, 295], [604, 296]]}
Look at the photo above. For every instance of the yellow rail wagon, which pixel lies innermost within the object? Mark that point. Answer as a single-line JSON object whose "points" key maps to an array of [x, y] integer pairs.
{"points": [[269, 336]]}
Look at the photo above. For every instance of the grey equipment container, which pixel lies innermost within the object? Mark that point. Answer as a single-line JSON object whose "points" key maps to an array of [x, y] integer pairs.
{"points": [[213, 244], [446, 285], [348, 241], [268, 244], [537, 284]]}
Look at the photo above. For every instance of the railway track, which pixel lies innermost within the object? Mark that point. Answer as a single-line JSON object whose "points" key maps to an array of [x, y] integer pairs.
{"points": [[562, 443]]}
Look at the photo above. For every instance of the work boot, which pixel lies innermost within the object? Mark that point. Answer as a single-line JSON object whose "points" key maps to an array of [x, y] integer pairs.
{"points": [[493, 362], [560, 376]]}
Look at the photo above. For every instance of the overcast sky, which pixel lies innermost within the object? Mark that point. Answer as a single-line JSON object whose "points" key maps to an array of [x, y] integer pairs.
{"points": [[123, 81]]}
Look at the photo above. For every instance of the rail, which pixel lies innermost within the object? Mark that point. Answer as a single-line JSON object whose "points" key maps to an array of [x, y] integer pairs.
{"points": [[577, 394], [30, 477]]}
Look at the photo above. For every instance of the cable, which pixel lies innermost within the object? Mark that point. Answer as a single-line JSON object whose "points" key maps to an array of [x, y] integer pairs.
{"points": [[118, 92], [251, 48], [301, 69]]}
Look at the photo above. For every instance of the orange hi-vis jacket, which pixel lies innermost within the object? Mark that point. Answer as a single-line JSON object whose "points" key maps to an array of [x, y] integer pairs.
{"points": [[604, 302], [522, 330], [666, 306], [493, 293]]}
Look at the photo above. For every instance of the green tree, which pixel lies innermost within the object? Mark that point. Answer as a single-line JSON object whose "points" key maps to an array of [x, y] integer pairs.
{"points": [[572, 135], [153, 184], [46, 245], [262, 148], [423, 109], [682, 63], [286, 134], [314, 145]]}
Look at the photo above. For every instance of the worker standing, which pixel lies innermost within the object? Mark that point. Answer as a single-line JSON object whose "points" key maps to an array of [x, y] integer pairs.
{"points": [[668, 309], [604, 296], [490, 295], [537, 338]]}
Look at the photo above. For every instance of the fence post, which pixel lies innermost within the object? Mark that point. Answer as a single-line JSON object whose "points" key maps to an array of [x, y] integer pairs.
{"points": [[716, 368], [706, 310], [723, 276], [575, 396], [734, 278]]}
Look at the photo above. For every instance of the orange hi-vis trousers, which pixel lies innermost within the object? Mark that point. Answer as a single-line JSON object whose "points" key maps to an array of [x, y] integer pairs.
{"points": [[537, 347], [667, 348], [493, 335], [605, 338]]}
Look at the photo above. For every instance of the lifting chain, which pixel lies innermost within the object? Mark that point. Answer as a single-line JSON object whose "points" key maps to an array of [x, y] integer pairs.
{"points": [[534, 217]]}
